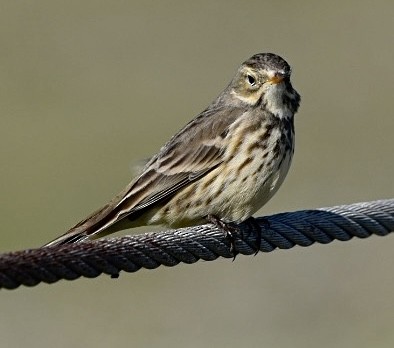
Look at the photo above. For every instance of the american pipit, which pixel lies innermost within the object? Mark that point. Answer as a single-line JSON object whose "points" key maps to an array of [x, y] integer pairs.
{"points": [[225, 164]]}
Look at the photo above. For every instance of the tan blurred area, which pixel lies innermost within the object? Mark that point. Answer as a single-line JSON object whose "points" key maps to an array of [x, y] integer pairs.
{"points": [[88, 88]]}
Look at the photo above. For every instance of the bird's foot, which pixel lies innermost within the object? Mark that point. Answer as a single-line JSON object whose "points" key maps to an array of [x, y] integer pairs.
{"points": [[256, 228], [228, 230]]}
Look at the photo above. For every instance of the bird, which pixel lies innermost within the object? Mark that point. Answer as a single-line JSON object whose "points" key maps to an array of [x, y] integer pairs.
{"points": [[221, 167]]}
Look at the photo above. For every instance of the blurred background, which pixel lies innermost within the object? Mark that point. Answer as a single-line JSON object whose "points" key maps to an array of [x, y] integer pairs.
{"points": [[89, 88]]}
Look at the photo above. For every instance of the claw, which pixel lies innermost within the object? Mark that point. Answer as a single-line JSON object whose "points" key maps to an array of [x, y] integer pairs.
{"points": [[228, 230], [255, 226]]}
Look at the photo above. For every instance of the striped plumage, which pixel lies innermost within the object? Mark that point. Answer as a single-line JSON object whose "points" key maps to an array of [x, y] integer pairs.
{"points": [[227, 162]]}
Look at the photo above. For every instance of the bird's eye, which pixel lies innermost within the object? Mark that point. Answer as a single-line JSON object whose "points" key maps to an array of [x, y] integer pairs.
{"points": [[251, 80]]}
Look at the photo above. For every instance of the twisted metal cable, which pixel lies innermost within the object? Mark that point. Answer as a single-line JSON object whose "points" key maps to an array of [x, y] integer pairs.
{"points": [[188, 245]]}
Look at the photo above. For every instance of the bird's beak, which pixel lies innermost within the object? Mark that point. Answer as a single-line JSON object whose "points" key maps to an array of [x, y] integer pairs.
{"points": [[277, 78]]}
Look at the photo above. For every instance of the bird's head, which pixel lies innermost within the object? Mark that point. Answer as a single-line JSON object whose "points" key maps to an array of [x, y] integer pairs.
{"points": [[264, 79]]}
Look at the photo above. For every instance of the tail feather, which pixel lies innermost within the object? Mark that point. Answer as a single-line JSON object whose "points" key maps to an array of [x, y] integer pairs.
{"points": [[99, 224], [68, 238], [87, 228]]}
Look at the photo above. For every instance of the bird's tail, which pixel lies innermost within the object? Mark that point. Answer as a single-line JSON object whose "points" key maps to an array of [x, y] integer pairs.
{"points": [[99, 224]]}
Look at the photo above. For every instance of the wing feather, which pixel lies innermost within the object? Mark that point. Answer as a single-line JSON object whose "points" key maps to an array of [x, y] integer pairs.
{"points": [[189, 155]]}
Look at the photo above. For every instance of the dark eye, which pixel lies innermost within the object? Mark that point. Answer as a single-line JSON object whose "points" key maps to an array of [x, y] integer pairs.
{"points": [[251, 80]]}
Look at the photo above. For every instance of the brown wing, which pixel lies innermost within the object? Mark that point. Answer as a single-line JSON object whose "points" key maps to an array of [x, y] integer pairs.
{"points": [[189, 155]]}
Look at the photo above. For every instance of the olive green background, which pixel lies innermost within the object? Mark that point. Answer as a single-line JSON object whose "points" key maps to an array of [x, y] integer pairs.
{"points": [[88, 88]]}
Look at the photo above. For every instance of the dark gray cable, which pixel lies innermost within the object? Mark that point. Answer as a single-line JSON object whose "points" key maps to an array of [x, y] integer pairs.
{"points": [[188, 245]]}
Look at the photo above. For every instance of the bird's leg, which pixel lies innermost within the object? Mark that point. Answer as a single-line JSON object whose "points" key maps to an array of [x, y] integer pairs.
{"points": [[228, 230], [255, 226]]}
